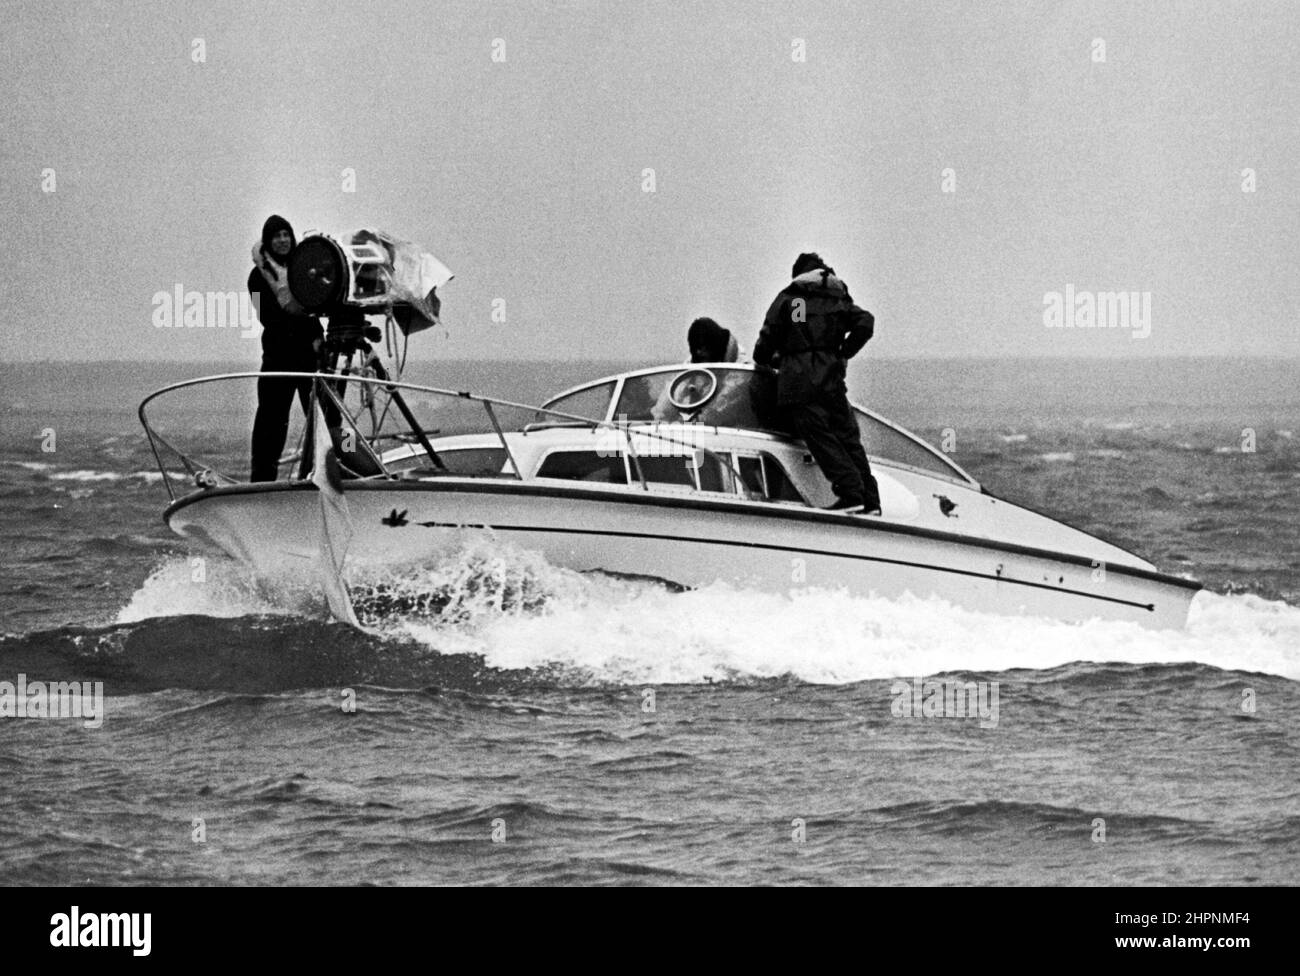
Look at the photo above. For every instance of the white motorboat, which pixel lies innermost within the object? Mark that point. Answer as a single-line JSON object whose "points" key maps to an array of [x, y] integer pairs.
{"points": [[674, 472], [681, 473]]}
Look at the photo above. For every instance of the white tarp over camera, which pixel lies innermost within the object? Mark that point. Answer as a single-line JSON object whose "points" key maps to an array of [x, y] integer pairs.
{"points": [[387, 270]]}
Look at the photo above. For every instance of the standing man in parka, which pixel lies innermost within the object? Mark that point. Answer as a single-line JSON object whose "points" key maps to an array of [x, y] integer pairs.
{"points": [[291, 343], [810, 332]]}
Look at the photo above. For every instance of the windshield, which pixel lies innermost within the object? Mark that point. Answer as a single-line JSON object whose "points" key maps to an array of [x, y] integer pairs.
{"points": [[745, 399], [882, 441], [591, 402]]}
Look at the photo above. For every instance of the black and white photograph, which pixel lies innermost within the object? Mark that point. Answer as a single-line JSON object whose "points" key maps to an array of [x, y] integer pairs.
{"points": [[604, 443]]}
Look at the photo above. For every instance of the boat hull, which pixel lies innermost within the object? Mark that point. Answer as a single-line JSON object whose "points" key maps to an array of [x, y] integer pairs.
{"points": [[277, 528]]}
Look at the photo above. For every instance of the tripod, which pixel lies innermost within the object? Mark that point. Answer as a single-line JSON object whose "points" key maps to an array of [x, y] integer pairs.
{"points": [[347, 339]]}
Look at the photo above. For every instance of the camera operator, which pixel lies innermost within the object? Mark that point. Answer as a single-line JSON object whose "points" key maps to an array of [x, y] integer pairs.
{"points": [[291, 343]]}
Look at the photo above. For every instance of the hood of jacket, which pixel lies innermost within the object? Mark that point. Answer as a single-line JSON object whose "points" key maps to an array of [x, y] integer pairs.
{"points": [[264, 256], [274, 224], [819, 280], [716, 344]]}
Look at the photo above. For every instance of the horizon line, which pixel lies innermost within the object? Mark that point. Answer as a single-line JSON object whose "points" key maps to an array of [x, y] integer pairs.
{"points": [[610, 359]]}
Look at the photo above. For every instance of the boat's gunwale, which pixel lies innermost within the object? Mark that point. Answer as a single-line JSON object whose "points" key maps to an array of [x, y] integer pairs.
{"points": [[737, 506]]}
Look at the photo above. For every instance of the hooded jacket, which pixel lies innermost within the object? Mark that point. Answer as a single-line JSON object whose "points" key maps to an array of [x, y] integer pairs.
{"points": [[287, 333], [711, 343], [811, 330]]}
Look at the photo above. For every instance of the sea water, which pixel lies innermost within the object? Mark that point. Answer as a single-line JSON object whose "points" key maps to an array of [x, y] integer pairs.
{"points": [[507, 721]]}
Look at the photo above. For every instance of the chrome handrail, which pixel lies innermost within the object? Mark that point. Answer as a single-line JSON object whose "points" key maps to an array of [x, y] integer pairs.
{"points": [[624, 427]]}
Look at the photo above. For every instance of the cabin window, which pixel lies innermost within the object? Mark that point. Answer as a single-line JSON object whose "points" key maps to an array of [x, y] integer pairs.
{"points": [[751, 474], [667, 470], [584, 466], [702, 470], [706, 472], [713, 474], [779, 486], [764, 476]]}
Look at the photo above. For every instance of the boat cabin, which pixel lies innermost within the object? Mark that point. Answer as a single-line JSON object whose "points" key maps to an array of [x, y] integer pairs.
{"points": [[738, 396], [710, 428]]}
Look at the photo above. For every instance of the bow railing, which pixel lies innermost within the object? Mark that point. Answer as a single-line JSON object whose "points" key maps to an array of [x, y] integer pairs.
{"points": [[205, 440]]}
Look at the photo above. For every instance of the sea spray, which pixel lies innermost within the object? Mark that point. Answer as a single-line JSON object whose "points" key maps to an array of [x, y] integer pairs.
{"points": [[519, 612]]}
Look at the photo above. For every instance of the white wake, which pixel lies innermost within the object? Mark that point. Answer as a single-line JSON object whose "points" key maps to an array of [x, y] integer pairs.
{"points": [[518, 611]]}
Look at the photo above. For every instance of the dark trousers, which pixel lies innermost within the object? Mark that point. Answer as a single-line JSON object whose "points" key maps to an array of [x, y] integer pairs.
{"points": [[271, 425], [830, 430]]}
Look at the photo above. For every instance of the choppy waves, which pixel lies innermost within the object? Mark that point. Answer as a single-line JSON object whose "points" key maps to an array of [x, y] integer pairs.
{"points": [[507, 610]]}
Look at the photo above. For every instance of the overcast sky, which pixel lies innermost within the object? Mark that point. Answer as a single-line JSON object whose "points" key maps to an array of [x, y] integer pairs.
{"points": [[526, 176]]}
